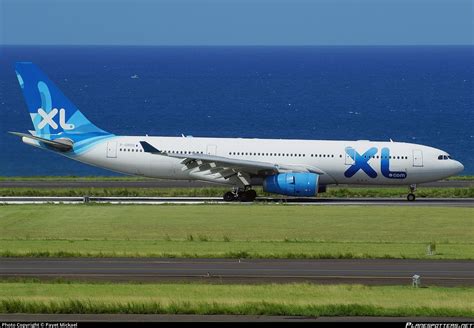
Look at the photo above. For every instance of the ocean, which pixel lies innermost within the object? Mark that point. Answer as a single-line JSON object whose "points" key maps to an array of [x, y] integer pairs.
{"points": [[420, 94]]}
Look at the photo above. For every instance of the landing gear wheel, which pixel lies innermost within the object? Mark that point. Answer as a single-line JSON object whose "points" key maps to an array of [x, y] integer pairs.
{"points": [[247, 196], [252, 194], [244, 196], [229, 196], [411, 197]]}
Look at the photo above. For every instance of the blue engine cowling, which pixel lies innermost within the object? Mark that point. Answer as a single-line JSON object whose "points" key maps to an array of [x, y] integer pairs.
{"points": [[292, 184]]}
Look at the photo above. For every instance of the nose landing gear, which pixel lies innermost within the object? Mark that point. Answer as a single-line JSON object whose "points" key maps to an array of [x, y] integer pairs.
{"points": [[411, 196], [246, 195]]}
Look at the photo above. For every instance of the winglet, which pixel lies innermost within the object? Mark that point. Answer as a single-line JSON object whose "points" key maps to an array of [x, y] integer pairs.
{"points": [[149, 148]]}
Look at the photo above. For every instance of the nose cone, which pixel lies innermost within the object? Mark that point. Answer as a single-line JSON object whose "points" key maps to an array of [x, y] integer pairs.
{"points": [[457, 167]]}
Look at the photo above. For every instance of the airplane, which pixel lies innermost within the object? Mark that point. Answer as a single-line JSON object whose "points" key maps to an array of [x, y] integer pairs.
{"points": [[298, 168]]}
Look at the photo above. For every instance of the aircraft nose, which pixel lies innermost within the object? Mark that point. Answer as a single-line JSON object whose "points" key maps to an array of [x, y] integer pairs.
{"points": [[457, 167]]}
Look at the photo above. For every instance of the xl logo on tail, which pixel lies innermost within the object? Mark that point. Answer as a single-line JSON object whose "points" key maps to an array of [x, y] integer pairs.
{"points": [[48, 119]]}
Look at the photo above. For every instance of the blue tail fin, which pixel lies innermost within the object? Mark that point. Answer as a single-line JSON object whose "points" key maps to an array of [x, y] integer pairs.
{"points": [[53, 114]]}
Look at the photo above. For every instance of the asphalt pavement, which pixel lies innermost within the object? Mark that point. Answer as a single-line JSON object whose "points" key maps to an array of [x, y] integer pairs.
{"points": [[364, 271]]}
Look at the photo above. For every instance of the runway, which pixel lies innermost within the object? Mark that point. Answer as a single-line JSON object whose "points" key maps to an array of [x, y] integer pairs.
{"points": [[370, 272], [458, 202]]}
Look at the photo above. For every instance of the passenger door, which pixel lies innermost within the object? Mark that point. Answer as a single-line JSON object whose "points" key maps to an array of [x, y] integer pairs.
{"points": [[112, 149], [349, 160], [211, 150], [417, 158]]}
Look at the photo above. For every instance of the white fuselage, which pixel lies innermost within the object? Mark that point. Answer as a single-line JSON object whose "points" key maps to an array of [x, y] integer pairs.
{"points": [[417, 163]]}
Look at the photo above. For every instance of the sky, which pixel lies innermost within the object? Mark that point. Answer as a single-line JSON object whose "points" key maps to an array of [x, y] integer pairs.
{"points": [[233, 22]]}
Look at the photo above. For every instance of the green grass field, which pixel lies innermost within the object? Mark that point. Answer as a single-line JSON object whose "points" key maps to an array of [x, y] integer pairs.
{"points": [[268, 299], [234, 231]]}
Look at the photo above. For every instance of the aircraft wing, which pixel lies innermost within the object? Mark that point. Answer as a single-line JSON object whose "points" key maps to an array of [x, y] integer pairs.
{"points": [[214, 167]]}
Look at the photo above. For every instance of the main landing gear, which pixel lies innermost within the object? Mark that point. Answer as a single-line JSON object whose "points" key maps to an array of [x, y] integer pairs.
{"points": [[411, 196], [246, 195]]}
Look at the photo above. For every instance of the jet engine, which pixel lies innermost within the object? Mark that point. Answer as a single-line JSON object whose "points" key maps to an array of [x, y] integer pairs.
{"points": [[292, 184]]}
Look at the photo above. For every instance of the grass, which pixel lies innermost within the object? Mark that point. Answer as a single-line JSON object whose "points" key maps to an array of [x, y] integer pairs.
{"points": [[233, 231], [268, 299], [467, 192], [462, 177]]}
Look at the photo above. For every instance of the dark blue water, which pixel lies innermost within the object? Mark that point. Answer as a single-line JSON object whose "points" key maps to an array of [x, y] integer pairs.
{"points": [[414, 94]]}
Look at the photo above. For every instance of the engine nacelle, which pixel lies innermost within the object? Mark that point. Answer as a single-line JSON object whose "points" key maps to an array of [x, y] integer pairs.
{"points": [[292, 184]]}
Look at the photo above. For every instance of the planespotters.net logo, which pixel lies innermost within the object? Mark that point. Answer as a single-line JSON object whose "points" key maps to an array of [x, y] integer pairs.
{"points": [[439, 325]]}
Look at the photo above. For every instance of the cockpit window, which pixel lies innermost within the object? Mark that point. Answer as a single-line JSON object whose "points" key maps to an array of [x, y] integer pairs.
{"points": [[444, 157], [440, 157]]}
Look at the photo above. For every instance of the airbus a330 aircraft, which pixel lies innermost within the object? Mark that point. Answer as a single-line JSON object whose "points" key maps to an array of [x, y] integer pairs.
{"points": [[300, 168]]}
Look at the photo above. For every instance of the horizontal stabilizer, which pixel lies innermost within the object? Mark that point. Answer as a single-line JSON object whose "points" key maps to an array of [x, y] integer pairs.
{"points": [[60, 144]]}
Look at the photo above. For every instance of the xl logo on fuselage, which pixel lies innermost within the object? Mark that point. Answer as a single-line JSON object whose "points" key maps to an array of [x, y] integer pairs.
{"points": [[48, 119], [361, 162]]}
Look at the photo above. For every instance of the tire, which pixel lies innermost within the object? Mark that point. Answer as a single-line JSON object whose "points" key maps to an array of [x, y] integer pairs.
{"points": [[252, 194], [229, 197], [411, 197], [243, 196]]}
